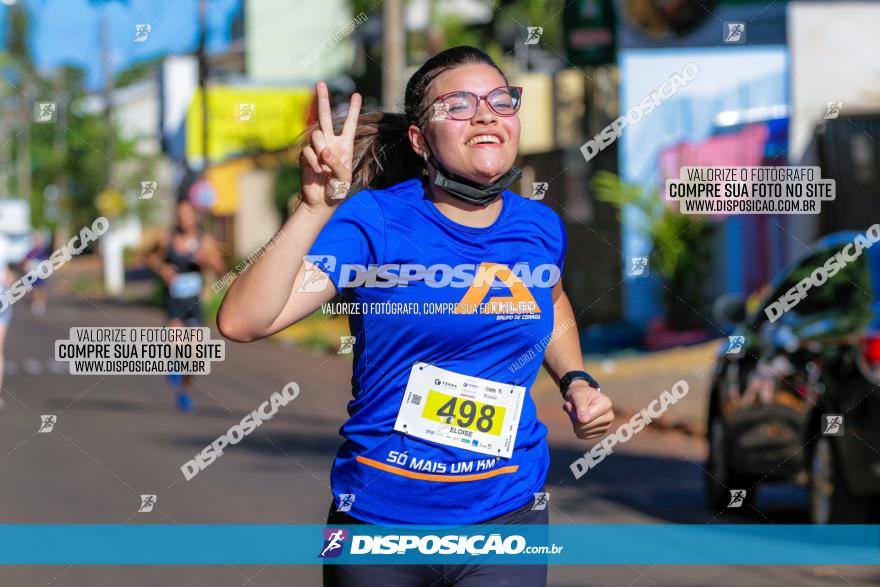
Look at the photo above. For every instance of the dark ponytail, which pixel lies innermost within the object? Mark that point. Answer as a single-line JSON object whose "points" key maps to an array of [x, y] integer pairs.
{"points": [[383, 155]]}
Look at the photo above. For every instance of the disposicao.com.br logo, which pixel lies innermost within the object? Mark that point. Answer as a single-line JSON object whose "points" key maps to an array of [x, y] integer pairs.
{"points": [[431, 544]]}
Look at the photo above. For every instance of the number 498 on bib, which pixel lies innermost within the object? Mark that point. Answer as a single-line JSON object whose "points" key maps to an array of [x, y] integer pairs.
{"points": [[464, 413], [458, 410]]}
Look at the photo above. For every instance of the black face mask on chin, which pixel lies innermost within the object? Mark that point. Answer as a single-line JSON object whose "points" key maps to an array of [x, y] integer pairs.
{"points": [[469, 191]]}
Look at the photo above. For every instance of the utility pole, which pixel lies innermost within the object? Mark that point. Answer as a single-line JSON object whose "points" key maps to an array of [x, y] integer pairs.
{"points": [[393, 53], [4, 153], [106, 94], [204, 69], [16, 46], [23, 147], [59, 146]]}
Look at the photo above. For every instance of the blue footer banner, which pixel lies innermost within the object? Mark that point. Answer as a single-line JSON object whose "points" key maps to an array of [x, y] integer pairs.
{"points": [[558, 544]]}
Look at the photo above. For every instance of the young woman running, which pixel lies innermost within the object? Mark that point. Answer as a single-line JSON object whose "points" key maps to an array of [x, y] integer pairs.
{"points": [[464, 307], [179, 260]]}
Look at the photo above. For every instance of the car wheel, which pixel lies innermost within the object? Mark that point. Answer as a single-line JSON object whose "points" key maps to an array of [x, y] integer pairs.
{"points": [[830, 501], [720, 478]]}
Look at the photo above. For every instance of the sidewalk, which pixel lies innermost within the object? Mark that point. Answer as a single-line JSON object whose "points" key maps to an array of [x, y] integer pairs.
{"points": [[633, 382]]}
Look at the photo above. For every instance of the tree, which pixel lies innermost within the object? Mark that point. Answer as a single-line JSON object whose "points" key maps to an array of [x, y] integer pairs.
{"points": [[76, 153]]}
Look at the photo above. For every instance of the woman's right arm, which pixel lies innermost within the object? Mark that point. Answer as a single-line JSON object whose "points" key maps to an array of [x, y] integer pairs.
{"points": [[264, 299]]}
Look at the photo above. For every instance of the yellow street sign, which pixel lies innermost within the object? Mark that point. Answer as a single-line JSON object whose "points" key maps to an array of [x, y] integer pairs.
{"points": [[110, 202]]}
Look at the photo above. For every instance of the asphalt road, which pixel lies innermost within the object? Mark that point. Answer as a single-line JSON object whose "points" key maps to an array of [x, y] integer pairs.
{"points": [[119, 437]]}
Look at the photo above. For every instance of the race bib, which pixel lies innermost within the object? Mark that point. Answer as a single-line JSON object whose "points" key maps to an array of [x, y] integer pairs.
{"points": [[459, 410], [186, 285]]}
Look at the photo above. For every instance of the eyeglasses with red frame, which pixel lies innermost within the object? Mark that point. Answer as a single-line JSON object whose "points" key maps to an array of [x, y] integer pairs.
{"points": [[463, 105]]}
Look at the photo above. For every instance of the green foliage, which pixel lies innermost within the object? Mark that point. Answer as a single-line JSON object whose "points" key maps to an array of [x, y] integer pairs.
{"points": [[138, 71], [85, 165], [535, 13], [681, 245], [287, 184], [80, 165], [505, 14], [17, 26], [85, 156], [457, 32]]}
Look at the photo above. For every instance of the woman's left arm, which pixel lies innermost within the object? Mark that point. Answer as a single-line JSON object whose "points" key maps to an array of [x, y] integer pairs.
{"points": [[589, 409]]}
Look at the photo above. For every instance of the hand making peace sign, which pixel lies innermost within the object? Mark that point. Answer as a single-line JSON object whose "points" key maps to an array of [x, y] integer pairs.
{"points": [[325, 164]]}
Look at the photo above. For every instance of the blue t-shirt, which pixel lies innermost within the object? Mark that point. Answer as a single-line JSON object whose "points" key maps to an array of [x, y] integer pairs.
{"points": [[397, 478]]}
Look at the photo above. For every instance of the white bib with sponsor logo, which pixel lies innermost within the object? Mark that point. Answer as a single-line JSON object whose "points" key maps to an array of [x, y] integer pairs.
{"points": [[186, 285], [459, 410]]}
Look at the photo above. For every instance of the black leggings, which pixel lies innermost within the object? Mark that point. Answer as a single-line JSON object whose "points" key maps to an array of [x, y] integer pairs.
{"points": [[466, 575], [187, 310]]}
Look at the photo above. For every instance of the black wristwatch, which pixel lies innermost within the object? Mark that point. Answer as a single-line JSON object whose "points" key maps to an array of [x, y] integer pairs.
{"points": [[566, 380]]}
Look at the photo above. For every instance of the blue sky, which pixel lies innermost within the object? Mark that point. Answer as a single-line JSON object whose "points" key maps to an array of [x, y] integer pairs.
{"points": [[66, 31]]}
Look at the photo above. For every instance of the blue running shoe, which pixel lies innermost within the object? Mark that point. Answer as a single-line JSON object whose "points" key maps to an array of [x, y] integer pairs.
{"points": [[184, 403], [175, 380]]}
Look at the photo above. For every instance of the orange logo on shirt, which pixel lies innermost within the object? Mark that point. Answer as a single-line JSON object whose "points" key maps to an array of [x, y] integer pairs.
{"points": [[520, 301]]}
